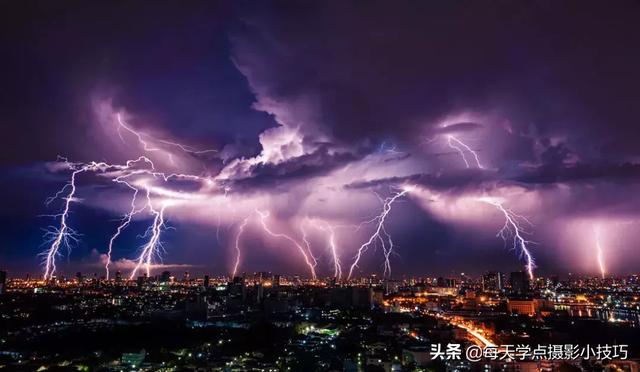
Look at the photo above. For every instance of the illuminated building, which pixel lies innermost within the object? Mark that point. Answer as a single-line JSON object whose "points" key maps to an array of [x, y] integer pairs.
{"points": [[525, 307], [447, 282], [493, 281]]}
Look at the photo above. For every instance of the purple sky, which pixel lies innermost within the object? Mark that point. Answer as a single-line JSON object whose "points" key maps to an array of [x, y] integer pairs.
{"points": [[318, 113]]}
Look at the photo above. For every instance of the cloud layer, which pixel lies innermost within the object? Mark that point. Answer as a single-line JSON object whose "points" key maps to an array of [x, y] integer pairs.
{"points": [[343, 104]]}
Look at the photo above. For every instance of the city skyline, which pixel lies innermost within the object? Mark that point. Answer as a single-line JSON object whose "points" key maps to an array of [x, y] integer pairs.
{"points": [[369, 324], [432, 139]]}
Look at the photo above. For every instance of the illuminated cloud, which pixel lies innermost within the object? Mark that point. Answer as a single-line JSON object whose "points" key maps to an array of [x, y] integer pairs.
{"points": [[325, 123]]}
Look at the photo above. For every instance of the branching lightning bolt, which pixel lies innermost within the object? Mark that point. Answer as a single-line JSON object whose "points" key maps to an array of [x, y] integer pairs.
{"points": [[149, 147], [61, 236], [337, 267], [313, 260], [461, 147], [150, 249], [379, 234], [331, 242], [145, 145], [263, 222], [142, 184], [126, 220], [513, 230], [64, 235]]}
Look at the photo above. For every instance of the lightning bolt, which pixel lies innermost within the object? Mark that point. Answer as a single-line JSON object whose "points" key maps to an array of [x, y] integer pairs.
{"points": [[513, 230], [599, 252], [148, 146], [263, 222], [126, 220], [461, 147], [150, 249], [380, 234], [123, 125], [61, 236], [337, 268], [187, 149], [313, 260], [331, 243], [237, 247]]}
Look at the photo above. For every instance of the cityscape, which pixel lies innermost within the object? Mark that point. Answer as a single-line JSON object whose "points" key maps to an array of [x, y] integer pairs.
{"points": [[336, 185], [268, 322]]}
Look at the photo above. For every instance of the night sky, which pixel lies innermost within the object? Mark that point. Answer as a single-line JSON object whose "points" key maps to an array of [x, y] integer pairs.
{"points": [[318, 111]]}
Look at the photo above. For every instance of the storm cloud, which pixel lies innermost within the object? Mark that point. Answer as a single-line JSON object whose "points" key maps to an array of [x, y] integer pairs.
{"points": [[318, 112]]}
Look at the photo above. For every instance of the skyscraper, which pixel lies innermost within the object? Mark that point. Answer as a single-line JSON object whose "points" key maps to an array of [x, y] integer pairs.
{"points": [[493, 281], [165, 277], [519, 282], [3, 281]]}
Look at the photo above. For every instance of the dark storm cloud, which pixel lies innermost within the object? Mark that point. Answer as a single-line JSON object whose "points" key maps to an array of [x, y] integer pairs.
{"points": [[383, 182], [582, 173], [552, 88], [166, 63], [302, 168], [525, 177], [472, 178], [377, 71]]}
